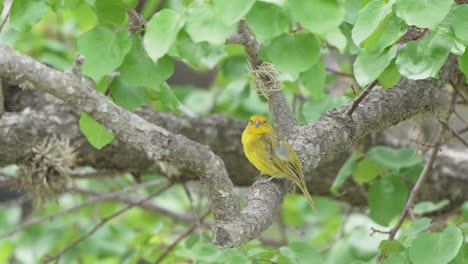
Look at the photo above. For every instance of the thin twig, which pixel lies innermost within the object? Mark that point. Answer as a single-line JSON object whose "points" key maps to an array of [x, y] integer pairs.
{"points": [[103, 222], [340, 234], [455, 88], [5, 20], [345, 74], [455, 134], [97, 174], [361, 97], [374, 230], [245, 37], [194, 210], [179, 238], [463, 130], [427, 169], [105, 196], [409, 204]]}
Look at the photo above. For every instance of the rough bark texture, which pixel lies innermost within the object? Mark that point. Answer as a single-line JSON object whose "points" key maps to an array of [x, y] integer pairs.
{"points": [[157, 143], [153, 141]]}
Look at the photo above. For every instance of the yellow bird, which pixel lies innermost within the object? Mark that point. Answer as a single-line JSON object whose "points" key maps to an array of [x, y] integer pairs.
{"points": [[271, 155]]}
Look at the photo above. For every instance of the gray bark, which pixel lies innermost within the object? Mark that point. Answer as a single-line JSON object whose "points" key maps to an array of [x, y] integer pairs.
{"points": [[152, 141]]}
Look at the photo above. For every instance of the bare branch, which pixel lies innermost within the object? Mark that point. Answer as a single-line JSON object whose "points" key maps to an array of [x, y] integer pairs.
{"points": [[340, 234], [156, 142], [277, 103], [182, 235], [102, 197], [414, 192], [361, 97], [194, 210], [101, 223]]}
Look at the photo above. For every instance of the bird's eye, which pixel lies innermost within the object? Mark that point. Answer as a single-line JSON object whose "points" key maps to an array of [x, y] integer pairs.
{"points": [[264, 122]]}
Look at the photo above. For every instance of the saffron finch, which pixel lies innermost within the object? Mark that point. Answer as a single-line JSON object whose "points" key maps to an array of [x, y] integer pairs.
{"points": [[271, 155]]}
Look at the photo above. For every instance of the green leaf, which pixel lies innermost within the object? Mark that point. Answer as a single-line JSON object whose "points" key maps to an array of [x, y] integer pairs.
{"points": [[344, 173], [161, 32], [387, 33], [369, 19], [167, 97], [203, 25], [138, 69], [313, 107], [336, 38], [108, 11], [387, 197], [428, 207], [370, 65], [464, 210], [314, 79], [267, 20], [351, 10], [231, 12], [234, 67], [394, 258], [85, 16], [463, 63], [416, 227], [366, 170], [462, 257], [126, 95], [394, 159], [129, 4], [319, 16], [103, 50], [303, 52], [25, 13], [206, 252], [436, 248], [200, 56], [96, 134], [6, 248], [424, 58], [460, 23], [423, 13], [412, 173], [291, 213], [390, 76], [300, 253], [388, 247]]}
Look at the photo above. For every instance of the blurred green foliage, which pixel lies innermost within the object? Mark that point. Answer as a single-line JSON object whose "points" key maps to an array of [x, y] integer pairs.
{"points": [[296, 36]]}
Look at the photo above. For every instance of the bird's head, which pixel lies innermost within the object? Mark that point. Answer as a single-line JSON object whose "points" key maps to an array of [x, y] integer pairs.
{"points": [[258, 124]]}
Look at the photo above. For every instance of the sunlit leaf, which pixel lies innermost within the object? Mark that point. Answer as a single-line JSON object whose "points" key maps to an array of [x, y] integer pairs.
{"points": [[387, 197], [161, 32], [423, 13], [97, 135], [103, 50], [436, 248]]}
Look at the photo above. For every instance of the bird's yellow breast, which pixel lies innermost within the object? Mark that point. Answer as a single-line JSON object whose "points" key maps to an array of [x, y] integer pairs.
{"points": [[258, 150]]}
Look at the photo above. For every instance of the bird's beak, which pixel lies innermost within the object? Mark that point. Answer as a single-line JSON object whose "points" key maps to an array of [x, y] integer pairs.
{"points": [[256, 123]]}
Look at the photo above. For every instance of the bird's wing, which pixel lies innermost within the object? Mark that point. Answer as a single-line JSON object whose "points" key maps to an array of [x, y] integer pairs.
{"points": [[288, 157]]}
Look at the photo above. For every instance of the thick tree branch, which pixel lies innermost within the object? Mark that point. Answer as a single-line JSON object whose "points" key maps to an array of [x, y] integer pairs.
{"points": [[157, 143], [317, 144]]}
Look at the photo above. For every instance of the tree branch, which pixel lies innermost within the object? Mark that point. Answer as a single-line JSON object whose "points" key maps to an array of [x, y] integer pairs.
{"points": [[103, 221], [101, 197], [279, 107], [157, 143], [414, 192]]}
